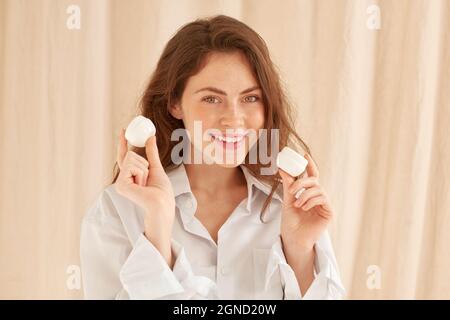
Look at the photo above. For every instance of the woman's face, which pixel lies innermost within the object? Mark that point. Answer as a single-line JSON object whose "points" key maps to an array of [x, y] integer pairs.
{"points": [[224, 103]]}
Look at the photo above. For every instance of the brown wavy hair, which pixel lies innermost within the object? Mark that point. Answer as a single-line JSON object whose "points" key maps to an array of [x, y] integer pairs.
{"points": [[184, 55]]}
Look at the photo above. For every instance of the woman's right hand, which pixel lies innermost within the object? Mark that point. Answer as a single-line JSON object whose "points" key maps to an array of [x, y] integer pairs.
{"points": [[146, 183]]}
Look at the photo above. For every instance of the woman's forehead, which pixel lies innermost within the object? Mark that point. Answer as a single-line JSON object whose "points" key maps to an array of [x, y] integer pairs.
{"points": [[226, 71]]}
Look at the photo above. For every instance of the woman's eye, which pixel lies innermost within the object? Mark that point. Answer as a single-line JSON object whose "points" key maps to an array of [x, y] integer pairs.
{"points": [[211, 99], [215, 100], [251, 98]]}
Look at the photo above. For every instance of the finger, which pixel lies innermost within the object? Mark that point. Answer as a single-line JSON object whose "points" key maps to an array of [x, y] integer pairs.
{"points": [[151, 150], [288, 198], [126, 176], [311, 168], [122, 148], [136, 172], [140, 179], [299, 193], [143, 176], [307, 182], [133, 161], [145, 180], [138, 158], [313, 202], [306, 195]]}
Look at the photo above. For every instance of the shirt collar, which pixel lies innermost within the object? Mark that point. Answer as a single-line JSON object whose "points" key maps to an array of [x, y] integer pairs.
{"points": [[260, 185], [179, 180], [180, 184]]}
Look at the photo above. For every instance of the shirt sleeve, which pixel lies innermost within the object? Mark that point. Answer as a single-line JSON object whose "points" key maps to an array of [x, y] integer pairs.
{"points": [[146, 275], [326, 284], [115, 268]]}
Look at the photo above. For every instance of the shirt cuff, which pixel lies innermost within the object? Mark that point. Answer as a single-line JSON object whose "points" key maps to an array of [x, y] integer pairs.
{"points": [[146, 274], [326, 283]]}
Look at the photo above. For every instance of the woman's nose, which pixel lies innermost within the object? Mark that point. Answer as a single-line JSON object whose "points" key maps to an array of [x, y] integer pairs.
{"points": [[233, 115]]}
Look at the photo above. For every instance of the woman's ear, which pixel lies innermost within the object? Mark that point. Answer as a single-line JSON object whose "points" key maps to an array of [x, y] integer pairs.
{"points": [[176, 111]]}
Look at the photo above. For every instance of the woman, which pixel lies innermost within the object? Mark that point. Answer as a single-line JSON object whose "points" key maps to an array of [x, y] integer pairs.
{"points": [[221, 229]]}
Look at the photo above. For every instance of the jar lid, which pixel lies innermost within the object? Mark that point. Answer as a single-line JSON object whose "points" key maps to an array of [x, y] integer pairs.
{"points": [[139, 130], [291, 162]]}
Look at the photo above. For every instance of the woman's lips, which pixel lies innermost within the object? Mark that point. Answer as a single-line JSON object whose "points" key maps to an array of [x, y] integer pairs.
{"points": [[229, 142]]}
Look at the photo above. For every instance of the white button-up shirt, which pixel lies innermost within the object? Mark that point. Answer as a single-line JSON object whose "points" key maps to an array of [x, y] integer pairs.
{"points": [[119, 262]]}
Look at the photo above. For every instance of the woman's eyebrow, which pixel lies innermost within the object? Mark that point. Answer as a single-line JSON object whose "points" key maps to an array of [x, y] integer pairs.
{"points": [[223, 92]]}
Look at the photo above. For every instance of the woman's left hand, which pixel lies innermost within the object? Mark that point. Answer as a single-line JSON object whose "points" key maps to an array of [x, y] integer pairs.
{"points": [[303, 220]]}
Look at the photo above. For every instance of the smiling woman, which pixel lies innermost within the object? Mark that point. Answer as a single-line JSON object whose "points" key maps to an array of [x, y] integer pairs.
{"points": [[220, 47], [197, 230]]}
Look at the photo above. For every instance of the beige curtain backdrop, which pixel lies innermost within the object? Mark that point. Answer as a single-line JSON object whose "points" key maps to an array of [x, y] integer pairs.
{"points": [[373, 104]]}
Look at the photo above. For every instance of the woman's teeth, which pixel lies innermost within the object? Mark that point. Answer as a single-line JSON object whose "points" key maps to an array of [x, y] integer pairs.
{"points": [[229, 139]]}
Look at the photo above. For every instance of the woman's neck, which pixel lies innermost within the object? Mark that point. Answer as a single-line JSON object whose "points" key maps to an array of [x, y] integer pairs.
{"points": [[213, 179]]}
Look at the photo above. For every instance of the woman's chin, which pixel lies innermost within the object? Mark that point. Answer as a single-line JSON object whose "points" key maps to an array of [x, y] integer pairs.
{"points": [[229, 165], [227, 158], [226, 163]]}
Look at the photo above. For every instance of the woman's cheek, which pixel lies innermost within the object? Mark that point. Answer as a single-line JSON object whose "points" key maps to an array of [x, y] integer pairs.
{"points": [[257, 119]]}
